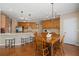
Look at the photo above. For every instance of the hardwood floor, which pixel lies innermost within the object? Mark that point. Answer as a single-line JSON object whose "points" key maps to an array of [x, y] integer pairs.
{"points": [[71, 50], [28, 50]]}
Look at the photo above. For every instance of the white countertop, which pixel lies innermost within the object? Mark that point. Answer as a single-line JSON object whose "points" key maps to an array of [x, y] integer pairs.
{"points": [[17, 37], [15, 33]]}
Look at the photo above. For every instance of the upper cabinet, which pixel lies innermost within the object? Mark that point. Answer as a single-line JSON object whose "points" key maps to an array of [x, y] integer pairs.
{"points": [[23, 24], [0, 21], [47, 24], [4, 20], [56, 23], [52, 23], [33, 25]]}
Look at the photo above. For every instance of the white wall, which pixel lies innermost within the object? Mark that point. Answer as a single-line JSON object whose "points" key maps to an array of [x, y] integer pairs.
{"points": [[69, 24]]}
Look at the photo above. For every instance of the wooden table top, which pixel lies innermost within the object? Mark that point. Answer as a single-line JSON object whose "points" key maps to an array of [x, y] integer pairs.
{"points": [[54, 39]]}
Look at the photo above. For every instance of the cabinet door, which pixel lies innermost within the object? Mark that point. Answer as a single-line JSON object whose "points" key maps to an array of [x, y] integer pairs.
{"points": [[44, 24], [56, 23], [53, 24], [0, 22], [33, 25], [7, 22], [47, 24], [3, 18], [23, 24]]}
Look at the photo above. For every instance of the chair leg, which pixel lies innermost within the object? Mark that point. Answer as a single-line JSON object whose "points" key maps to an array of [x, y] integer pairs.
{"points": [[5, 43], [63, 51], [12, 43]]}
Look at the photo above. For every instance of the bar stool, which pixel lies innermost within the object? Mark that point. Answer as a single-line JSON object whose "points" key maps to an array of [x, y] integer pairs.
{"points": [[23, 41], [10, 43], [31, 39], [7, 43]]}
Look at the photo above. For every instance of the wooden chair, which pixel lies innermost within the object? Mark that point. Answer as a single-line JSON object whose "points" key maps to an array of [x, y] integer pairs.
{"points": [[62, 44], [22, 41], [31, 39], [43, 34], [41, 47], [58, 46]]}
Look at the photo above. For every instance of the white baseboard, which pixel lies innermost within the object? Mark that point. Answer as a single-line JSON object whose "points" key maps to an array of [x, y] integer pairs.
{"points": [[3, 45], [72, 44]]}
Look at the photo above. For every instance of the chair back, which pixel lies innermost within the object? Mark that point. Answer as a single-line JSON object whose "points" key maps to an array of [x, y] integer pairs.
{"points": [[40, 44], [43, 34], [40, 41], [62, 38]]}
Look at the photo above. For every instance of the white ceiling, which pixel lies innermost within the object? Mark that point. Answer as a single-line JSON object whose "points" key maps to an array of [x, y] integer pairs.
{"points": [[38, 11]]}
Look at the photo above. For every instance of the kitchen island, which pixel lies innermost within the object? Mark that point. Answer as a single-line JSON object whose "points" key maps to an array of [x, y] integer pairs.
{"points": [[16, 36]]}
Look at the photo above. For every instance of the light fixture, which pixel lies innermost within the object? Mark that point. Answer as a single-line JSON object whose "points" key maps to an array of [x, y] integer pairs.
{"points": [[52, 9], [53, 12]]}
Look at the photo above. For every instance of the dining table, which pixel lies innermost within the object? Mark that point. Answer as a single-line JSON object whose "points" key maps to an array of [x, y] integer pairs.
{"points": [[50, 40], [54, 39]]}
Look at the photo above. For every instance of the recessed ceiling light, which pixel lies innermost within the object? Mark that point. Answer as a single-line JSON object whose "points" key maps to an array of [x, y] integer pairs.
{"points": [[21, 11], [29, 14], [52, 3]]}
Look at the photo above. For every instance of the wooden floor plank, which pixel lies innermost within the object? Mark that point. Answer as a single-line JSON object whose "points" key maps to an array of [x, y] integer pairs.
{"points": [[28, 50]]}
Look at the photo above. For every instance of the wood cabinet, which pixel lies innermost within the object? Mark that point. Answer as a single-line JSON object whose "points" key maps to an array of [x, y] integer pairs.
{"points": [[56, 23], [33, 25], [47, 24], [52, 23], [4, 20], [23, 24], [0, 21]]}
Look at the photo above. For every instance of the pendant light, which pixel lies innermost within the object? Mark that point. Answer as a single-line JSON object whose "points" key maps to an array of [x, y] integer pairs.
{"points": [[52, 10]]}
